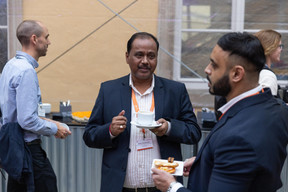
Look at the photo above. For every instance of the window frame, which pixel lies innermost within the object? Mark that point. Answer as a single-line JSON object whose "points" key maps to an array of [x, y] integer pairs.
{"points": [[5, 27], [237, 14], [14, 18]]}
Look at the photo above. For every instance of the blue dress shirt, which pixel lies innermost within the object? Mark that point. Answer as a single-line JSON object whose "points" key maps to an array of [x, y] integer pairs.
{"points": [[20, 95]]}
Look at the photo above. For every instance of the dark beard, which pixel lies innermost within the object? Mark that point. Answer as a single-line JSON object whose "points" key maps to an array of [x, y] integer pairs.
{"points": [[221, 87]]}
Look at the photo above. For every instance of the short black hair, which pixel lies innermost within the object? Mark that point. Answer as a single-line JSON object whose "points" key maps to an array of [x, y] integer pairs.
{"points": [[244, 45], [141, 35]]}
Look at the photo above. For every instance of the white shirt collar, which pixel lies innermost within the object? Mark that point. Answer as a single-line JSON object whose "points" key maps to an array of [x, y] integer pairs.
{"points": [[148, 91], [228, 105]]}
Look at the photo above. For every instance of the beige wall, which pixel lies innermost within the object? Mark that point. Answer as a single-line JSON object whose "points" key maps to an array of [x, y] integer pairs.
{"points": [[78, 73]]}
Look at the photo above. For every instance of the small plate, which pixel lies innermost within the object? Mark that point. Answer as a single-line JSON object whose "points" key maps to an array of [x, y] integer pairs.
{"points": [[154, 125], [179, 169]]}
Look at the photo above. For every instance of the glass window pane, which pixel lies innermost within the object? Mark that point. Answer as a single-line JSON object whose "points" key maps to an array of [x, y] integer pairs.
{"points": [[197, 47], [196, 50], [3, 48], [206, 14], [3, 12], [266, 14]]}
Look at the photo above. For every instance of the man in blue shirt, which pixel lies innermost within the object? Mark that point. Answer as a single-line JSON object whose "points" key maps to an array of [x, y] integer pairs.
{"points": [[19, 99]]}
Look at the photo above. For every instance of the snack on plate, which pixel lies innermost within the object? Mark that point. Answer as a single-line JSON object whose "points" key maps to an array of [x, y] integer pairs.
{"points": [[169, 166], [167, 169], [81, 116], [170, 159], [165, 164]]}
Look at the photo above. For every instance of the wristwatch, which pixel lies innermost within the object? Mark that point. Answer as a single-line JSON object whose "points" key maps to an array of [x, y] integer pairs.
{"points": [[171, 185]]}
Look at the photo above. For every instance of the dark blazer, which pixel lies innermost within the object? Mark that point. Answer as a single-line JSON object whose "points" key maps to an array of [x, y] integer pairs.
{"points": [[171, 102], [15, 156], [246, 149]]}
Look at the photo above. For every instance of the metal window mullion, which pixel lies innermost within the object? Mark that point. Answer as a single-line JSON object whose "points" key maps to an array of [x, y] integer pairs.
{"points": [[8, 34], [238, 15], [207, 30], [177, 41]]}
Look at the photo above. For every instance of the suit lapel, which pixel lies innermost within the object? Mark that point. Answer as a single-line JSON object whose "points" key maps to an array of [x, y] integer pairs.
{"points": [[217, 127], [159, 98], [240, 105], [125, 94]]}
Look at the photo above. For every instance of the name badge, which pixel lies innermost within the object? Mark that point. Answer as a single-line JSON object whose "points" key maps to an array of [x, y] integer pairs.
{"points": [[144, 144]]}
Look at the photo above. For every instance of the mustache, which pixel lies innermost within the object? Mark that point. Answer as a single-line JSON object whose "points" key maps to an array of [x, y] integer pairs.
{"points": [[144, 67]]}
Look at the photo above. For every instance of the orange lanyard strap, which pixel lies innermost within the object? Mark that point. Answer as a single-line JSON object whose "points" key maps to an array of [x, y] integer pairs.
{"points": [[262, 91], [136, 106]]}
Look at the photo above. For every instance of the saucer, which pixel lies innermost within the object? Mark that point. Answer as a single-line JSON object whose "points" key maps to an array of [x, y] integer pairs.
{"points": [[151, 126]]}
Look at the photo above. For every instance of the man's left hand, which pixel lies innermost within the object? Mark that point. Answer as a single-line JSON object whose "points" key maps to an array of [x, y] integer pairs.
{"points": [[160, 131]]}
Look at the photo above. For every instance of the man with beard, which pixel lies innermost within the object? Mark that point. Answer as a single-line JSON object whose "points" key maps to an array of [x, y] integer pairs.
{"points": [[246, 149], [19, 99], [273, 47], [129, 149]]}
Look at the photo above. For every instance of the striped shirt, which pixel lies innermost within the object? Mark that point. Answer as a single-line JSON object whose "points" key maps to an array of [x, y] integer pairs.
{"points": [[138, 172]]}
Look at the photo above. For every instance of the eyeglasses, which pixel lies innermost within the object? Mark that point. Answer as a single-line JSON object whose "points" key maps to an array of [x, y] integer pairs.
{"points": [[281, 46]]}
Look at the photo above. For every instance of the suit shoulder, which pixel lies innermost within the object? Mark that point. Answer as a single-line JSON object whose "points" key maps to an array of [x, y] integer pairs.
{"points": [[115, 82]]}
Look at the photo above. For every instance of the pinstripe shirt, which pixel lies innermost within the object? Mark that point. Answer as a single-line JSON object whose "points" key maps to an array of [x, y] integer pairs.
{"points": [[138, 172]]}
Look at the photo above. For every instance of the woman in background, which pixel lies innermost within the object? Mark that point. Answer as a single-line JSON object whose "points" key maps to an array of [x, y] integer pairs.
{"points": [[271, 42]]}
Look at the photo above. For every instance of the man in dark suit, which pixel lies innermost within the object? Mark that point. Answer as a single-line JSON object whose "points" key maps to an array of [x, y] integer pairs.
{"points": [[246, 149], [130, 149]]}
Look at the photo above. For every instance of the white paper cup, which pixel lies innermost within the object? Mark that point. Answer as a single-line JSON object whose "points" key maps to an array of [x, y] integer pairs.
{"points": [[46, 107], [145, 118]]}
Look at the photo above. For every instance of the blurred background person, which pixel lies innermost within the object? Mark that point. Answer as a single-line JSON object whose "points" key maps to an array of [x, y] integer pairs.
{"points": [[272, 45]]}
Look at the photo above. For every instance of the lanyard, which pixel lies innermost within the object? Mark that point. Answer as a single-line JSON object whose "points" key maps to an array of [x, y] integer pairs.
{"points": [[136, 106], [262, 91]]}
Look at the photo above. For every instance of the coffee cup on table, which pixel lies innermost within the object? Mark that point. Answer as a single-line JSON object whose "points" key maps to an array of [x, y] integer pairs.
{"points": [[145, 118]]}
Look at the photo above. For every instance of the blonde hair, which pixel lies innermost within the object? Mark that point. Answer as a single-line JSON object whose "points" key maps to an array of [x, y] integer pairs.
{"points": [[269, 39]]}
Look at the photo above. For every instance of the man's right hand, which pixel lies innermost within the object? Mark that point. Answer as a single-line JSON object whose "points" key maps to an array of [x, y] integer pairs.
{"points": [[62, 132], [118, 124]]}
